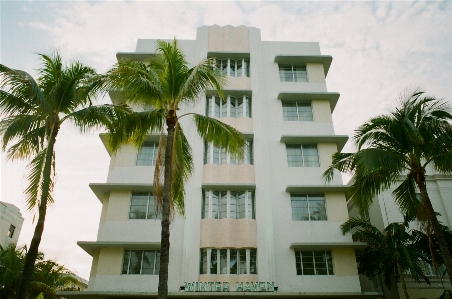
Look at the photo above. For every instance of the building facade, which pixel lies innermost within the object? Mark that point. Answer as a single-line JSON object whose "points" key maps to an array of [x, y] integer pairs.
{"points": [[11, 221], [266, 225]]}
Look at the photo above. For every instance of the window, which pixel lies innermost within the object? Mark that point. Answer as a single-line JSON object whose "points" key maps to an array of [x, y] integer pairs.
{"points": [[142, 206], [228, 204], [308, 207], [302, 155], [231, 106], [147, 155], [234, 67], [141, 262], [214, 155], [297, 111], [314, 263], [292, 73], [11, 230], [228, 261]]}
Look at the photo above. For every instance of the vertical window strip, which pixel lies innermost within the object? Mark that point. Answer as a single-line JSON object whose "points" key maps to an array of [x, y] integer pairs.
{"points": [[228, 261], [141, 262], [228, 204], [230, 106], [214, 155]]}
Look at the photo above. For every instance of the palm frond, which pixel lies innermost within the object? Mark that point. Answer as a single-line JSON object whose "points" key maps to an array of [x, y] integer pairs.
{"points": [[344, 162], [220, 134], [20, 126]]}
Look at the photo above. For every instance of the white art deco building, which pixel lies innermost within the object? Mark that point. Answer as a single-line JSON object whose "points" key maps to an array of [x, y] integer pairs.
{"points": [[11, 221], [264, 226]]}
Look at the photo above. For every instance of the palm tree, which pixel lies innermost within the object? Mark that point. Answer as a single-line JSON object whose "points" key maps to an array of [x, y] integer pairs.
{"points": [[32, 113], [391, 252], [401, 144], [166, 82], [11, 264]]}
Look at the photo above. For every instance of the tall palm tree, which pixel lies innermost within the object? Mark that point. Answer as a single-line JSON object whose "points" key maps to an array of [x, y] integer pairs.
{"points": [[32, 112], [167, 82], [11, 264], [398, 146], [390, 252]]}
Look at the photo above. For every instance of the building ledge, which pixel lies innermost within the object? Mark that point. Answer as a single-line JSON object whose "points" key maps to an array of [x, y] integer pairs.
{"points": [[332, 97], [182, 294], [340, 140], [102, 190], [327, 245], [228, 186], [316, 188], [91, 246], [302, 59]]}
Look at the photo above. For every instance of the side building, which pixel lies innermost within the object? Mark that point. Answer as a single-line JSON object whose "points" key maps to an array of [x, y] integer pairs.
{"points": [[11, 221], [267, 224]]}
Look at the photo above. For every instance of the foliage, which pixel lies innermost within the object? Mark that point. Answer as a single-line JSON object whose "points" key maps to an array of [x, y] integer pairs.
{"points": [[396, 149], [48, 276]]}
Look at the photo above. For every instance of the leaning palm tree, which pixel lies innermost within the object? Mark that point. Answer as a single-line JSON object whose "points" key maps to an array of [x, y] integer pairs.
{"points": [[166, 82], [401, 145], [32, 113], [390, 252]]}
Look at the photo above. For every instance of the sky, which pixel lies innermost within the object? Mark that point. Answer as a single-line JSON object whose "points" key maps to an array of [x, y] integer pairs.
{"points": [[379, 50]]}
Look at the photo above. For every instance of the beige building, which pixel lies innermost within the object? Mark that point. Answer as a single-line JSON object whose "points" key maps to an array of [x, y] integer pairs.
{"points": [[264, 226]]}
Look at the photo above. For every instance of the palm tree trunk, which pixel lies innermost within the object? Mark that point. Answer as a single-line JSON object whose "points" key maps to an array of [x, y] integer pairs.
{"points": [[420, 181], [402, 280], [165, 238], [32, 253]]}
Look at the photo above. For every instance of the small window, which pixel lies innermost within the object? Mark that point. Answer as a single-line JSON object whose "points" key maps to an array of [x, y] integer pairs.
{"points": [[302, 155], [147, 155], [297, 111], [314, 263], [11, 230], [214, 155], [292, 73], [234, 67], [228, 204], [142, 206], [231, 106], [146, 262], [228, 261], [308, 207]]}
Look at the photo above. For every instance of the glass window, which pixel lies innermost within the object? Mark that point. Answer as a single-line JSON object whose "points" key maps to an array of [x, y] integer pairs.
{"points": [[142, 206], [11, 230], [214, 155], [234, 67], [141, 262], [302, 155], [147, 155], [228, 204], [292, 73], [297, 111], [230, 106], [228, 261], [308, 207], [314, 263]]}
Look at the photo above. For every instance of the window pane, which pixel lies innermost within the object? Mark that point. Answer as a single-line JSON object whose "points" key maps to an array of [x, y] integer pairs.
{"points": [[157, 262], [217, 108], [233, 205], [224, 108], [148, 262], [224, 205], [213, 261], [294, 155], [135, 261], [242, 205], [290, 111], [317, 207], [216, 155], [232, 71], [251, 206], [208, 107], [285, 73], [224, 157], [310, 155], [249, 152], [205, 205], [299, 207], [239, 108], [215, 204], [305, 112], [242, 261], [233, 106], [300, 74], [314, 263], [206, 153], [125, 262], [223, 261], [147, 155], [239, 68], [247, 68], [233, 259], [152, 214], [253, 261], [248, 106], [203, 261], [329, 262], [138, 205], [224, 67]]}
